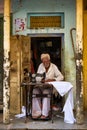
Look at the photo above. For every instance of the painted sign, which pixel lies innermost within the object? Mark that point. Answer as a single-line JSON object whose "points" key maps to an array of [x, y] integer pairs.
{"points": [[19, 24]]}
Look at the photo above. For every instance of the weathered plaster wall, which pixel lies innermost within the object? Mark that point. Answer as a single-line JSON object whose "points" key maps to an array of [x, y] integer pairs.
{"points": [[20, 10]]}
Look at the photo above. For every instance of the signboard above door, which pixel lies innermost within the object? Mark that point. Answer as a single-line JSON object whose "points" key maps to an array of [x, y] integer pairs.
{"points": [[45, 20]]}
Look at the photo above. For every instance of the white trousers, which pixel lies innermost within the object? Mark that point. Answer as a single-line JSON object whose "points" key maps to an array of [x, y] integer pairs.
{"points": [[37, 107]]}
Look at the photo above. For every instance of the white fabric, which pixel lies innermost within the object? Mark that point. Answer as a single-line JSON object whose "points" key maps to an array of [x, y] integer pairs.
{"points": [[22, 114], [63, 88]]}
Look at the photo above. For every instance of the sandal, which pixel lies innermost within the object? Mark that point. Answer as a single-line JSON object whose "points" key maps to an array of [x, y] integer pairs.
{"points": [[43, 117], [36, 117]]}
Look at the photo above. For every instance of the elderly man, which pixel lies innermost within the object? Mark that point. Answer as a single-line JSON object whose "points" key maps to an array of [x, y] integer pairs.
{"points": [[52, 74]]}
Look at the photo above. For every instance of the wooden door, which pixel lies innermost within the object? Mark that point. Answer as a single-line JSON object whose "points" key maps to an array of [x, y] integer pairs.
{"points": [[15, 47], [25, 54], [25, 62], [19, 58]]}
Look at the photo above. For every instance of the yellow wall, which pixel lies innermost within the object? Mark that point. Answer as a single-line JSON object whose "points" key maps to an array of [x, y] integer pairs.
{"points": [[85, 60]]}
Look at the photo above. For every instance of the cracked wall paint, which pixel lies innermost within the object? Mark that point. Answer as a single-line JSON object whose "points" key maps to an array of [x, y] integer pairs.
{"points": [[6, 87]]}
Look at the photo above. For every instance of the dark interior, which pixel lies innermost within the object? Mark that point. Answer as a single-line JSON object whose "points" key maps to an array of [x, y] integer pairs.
{"points": [[51, 45]]}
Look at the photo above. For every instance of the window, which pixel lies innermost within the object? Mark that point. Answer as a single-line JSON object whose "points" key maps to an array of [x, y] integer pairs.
{"points": [[45, 20]]}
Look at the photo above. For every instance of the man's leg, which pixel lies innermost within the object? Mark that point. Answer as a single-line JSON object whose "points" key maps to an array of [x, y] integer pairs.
{"points": [[45, 104], [36, 104]]}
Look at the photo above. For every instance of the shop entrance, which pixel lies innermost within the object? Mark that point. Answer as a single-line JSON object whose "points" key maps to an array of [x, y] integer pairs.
{"points": [[54, 45], [46, 44]]}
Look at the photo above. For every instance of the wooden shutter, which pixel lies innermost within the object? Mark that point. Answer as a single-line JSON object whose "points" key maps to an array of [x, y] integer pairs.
{"points": [[20, 59]]}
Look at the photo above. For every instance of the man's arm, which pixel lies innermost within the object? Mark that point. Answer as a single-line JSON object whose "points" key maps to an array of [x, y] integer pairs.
{"points": [[58, 74]]}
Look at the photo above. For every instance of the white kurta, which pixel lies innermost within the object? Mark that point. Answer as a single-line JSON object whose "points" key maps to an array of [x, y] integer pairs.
{"points": [[52, 73]]}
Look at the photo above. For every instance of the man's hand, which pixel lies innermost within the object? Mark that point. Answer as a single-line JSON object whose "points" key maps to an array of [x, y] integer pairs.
{"points": [[49, 80]]}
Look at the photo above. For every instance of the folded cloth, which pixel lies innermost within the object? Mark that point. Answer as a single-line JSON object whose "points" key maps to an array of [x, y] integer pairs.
{"points": [[22, 114], [63, 88], [68, 109]]}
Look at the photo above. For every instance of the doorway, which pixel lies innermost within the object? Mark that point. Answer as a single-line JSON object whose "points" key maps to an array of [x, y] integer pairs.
{"points": [[52, 44]]}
